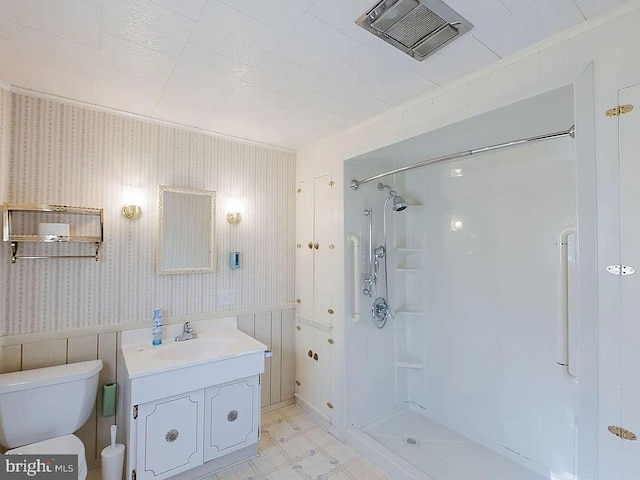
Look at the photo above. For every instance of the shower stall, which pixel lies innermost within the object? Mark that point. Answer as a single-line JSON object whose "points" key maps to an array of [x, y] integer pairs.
{"points": [[463, 361]]}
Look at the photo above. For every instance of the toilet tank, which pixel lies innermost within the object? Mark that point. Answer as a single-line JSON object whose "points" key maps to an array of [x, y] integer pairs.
{"points": [[44, 403]]}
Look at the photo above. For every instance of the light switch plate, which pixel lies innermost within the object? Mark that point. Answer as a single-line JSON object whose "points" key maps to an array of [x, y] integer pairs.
{"points": [[226, 296]]}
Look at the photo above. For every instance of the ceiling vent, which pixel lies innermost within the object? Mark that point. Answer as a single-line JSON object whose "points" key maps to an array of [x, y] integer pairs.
{"points": [[417, 27]]}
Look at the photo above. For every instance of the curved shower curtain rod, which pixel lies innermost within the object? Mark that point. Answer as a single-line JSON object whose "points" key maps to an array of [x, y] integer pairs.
{"points": [[355, 184]]}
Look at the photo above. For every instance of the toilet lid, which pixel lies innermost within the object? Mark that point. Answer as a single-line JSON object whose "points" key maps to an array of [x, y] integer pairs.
{"points": [[67, 444]]}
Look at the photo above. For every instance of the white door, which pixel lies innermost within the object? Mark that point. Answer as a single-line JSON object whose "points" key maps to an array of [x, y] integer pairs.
{"points": [[232, 416], [304, 248], [169, 438], [323, 248], [322, 372], [629, 138], [304, 362]]}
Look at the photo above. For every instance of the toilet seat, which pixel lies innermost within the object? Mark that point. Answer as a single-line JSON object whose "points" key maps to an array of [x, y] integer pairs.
{"points": [[67, 444]]}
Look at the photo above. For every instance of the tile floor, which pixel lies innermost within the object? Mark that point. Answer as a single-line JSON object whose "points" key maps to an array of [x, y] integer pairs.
{"points": [[294, 447]]}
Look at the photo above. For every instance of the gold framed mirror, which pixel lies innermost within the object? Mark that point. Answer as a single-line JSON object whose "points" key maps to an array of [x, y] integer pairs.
{"points": [[187, 231]]}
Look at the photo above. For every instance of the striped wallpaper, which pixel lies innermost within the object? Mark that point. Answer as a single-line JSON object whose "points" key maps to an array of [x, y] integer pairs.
{"points": [[4, 144], [71, 155]]}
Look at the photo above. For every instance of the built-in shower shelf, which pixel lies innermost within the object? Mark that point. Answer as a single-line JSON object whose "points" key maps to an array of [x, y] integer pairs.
{"points": [[408, 312], [408, 250], [409, 361]]}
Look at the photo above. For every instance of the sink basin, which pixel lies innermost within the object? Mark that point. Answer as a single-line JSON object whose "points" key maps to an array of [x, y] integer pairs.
{"points": [[201, 347], [209, 347]]}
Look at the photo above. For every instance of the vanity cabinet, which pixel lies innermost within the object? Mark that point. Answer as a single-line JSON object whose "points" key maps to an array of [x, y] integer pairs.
{"points": [[184, 431], [193, 406], [169, 435]]}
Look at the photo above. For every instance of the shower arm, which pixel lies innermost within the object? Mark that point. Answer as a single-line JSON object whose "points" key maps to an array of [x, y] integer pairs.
{"points": [[355, 184]]}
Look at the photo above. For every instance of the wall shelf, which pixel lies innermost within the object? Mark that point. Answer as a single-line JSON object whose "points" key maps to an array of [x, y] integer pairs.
{"points": [[408, 312], [409, 361], [408, 269], [29, 216]]}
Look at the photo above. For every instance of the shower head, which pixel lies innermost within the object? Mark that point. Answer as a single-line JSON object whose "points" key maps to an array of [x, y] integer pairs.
{"points": [[398, 202]]}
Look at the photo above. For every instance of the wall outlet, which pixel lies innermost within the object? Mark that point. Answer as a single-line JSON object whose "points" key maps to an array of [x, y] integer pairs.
{"points": [[226, 296]]}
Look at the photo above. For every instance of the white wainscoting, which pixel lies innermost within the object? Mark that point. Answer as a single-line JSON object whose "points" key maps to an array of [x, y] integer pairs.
{"points": [[274, 327]]}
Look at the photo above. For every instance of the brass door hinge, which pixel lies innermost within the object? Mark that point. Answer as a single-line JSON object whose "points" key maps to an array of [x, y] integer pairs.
{"points": [[619, 110], [135, 412], [622, 433]]}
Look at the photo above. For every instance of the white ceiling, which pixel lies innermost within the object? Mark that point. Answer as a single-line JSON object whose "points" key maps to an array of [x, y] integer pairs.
{"points": [[282, 72]]}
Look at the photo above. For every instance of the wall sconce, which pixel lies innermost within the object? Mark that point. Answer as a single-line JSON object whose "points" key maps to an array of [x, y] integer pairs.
{"points": [[133, 198], [235, 209]]}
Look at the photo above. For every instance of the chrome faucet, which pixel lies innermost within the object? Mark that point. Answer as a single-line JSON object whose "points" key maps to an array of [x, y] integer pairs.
{"points": [[187, 333]]}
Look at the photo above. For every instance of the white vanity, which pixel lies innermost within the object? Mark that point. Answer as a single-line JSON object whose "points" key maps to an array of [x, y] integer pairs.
{"points": [[193, 404]]}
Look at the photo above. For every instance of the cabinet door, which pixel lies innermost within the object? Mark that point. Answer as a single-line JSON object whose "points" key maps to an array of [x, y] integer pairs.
{"points": [[304, 253], [304, 364], [629, 127], [322, 374], [323, 254], [169, 436], [232, 417]]}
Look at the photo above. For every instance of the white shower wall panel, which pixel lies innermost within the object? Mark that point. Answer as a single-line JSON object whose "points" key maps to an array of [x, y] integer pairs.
{"points": [[369, 358], [489, 293]]}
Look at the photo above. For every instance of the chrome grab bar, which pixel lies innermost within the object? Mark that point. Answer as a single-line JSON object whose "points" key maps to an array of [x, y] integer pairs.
{"points": [[355, 241]]}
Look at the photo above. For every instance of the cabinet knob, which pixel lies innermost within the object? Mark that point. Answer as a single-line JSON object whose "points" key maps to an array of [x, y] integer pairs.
{"points": [[331, 312], [315, 357], [310, 353], [298, 300], [310, 245], [232, 416], [316, 245], [298, 245], [298, 327], [298, 382], [329, 404], [172, 435]]}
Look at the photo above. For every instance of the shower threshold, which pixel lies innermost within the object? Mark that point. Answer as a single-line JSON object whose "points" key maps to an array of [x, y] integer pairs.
{"points": [[408, 445]]}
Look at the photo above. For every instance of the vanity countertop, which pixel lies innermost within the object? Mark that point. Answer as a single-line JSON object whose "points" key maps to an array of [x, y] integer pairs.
{"points": [[212, 346]]}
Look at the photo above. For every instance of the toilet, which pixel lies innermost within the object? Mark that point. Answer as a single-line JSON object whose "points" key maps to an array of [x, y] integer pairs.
{"points": [[41, 408]]}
